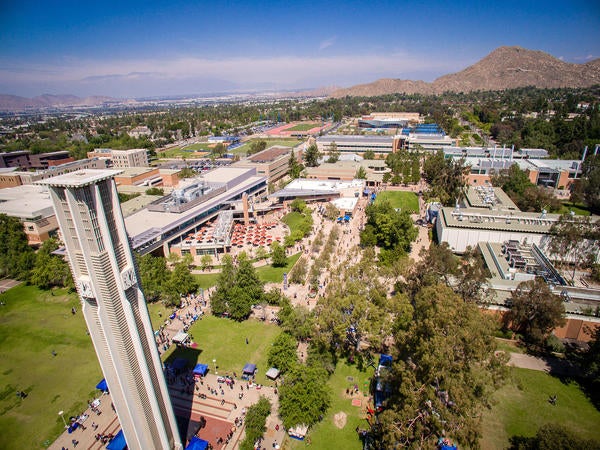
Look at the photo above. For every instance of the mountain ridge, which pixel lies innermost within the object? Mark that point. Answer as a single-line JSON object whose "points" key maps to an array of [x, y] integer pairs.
{"points": [[504, 68]]}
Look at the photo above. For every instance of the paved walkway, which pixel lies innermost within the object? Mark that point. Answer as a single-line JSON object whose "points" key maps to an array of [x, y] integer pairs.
{"points": [[551, 365]]}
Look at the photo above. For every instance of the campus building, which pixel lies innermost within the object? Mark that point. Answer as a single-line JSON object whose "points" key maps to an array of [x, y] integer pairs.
{"points": [[12, 177], [272, 162], [88, 211], [347, 171], [122, 159], [194, 203], [25, 160], [33, 207]]}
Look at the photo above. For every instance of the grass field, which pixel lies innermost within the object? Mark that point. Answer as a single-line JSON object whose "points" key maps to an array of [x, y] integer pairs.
{"points": [[225, 341], [522, 406], [304, 126], [206, 280], [243, 149], [270, 274], [324, 433], [406, 201], [293, 220], [34, 323]]}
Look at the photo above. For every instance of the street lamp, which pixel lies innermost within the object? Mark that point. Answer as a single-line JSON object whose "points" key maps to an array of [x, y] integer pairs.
{"points": [[60, 413], [215, 363]]}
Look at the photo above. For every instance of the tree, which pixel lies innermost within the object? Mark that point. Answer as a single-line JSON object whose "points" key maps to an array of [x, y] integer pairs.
{"points": [[238, 288], [254, 423], [444, 373], [219, 150], [297, 321], [361, 173], [278, 258], [447, 178], [180, 282], [369, 155], [186, 172], [206, 262], [334, 154], [472, 281], [16, 257], [535, 310], [294, 167], [312, 155], [552, 436], [154, 274], [282, 353], [591, 182], [591, 361], [389, 229], [50, 270], [575, 240], [257, 146], [304, 396]]}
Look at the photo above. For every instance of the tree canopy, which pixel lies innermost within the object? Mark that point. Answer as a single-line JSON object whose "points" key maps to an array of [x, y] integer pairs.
{"points": [[535, 310], [312, 155], [16, 257], [446, 178]]}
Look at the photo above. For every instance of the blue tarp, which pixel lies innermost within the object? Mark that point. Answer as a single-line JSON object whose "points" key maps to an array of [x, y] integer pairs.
{"points": [[118, 442], [102, 385], [197, 444], [200, 369], [249, 368], [385, 360]]}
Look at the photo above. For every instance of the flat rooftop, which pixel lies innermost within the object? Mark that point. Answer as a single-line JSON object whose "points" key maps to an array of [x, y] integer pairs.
{"points": [[145, 220], [26, 202], [484, 197], [135, 171], [270, 154], [352, 138], [80, 178]]}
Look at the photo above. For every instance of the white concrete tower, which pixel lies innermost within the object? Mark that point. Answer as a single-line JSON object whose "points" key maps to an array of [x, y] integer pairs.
{"points": [[88, 212]]}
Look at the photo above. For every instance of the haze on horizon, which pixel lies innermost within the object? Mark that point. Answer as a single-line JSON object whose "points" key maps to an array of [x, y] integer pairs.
{"points": [[151, 48]]}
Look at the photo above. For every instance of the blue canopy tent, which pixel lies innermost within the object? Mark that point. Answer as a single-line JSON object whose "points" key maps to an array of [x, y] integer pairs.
{"points": [[118, 442], [249, 369], [102, 386], [201, 369], [197, 444]]}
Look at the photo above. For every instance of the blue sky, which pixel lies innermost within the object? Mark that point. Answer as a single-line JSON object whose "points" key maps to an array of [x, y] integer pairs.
{"points": [[147, 48]]}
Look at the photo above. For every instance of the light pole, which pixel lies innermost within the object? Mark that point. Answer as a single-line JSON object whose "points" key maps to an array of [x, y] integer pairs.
{"points": [[215, 363], [60, 413]]}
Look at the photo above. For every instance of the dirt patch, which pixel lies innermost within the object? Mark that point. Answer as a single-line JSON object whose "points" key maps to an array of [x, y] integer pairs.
{"points": [[340, 420]]}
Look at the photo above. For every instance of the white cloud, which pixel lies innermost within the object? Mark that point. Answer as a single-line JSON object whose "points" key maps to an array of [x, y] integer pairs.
{"points": [[327, 43]]}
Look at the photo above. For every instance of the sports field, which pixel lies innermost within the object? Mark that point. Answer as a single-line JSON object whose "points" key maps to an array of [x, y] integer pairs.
{"points": [[406, 201], [304, 126]]}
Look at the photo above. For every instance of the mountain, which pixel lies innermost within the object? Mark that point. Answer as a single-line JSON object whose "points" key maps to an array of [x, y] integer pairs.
{"points": [[504, 68], [16, 103]]}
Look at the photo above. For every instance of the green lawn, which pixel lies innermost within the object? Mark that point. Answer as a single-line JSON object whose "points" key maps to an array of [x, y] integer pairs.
{"points": [[324, 433], [33, 323], [206, 280], [406, 201], [577, 208], [304, 126], [522, 406], [270, 274], [293, 220], [225, 341]]}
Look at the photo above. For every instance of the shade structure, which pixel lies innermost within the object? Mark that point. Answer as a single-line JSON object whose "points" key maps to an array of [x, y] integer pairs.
{"points": [[249, 369], [200, 369], [197, 444], [118, 442], [102, 386], [272, 373]]}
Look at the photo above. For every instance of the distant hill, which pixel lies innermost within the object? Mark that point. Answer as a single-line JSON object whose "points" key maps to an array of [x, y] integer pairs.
{"points": [[16, 103], [504, 68]]}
